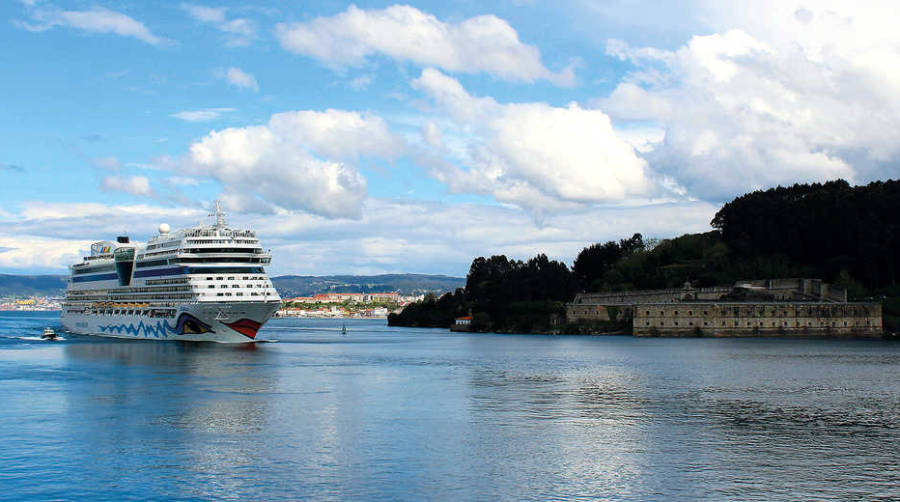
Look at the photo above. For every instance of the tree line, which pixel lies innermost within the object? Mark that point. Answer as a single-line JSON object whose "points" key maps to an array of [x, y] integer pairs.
{"points": [[501, 295]]}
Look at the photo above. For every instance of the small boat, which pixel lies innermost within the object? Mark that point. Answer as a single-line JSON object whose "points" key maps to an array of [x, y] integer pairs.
{"points": [[344, 329], [49, 334]]}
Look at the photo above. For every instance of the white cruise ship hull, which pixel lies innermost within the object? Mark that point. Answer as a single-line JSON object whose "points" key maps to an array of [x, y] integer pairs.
{"points": [[223, 322]]}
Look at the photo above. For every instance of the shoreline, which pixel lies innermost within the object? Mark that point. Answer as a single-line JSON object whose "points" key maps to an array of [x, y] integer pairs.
{"points": [[884, 335], [30, 310], [327, 317]]}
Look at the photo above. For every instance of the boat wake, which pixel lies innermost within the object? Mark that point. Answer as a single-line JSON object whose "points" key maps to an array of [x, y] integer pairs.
{"points": [[39, 339]]}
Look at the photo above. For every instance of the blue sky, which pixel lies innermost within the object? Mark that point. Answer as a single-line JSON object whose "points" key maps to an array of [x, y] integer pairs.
{"points": [[379, 137]]}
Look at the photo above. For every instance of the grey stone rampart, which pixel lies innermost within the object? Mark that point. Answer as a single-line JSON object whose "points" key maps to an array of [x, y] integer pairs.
{"points": [[758, 319], [594, 312], [672, 295]]}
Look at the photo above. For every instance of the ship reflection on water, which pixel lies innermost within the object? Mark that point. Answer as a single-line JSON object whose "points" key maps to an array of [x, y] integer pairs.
{"points": [[157, 405], [173, 355]]}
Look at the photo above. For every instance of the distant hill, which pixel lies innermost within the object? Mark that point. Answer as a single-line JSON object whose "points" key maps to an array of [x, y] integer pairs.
{"points": [[287, 285], [407, 284], [31, 285]]}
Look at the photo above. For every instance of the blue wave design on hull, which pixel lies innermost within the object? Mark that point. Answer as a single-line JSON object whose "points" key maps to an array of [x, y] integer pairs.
{"points": [[161, 329], [148, 329]]}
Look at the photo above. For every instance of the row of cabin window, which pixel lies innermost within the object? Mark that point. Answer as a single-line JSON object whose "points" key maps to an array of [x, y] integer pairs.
{"points": [[133, 299], [135, 312], [774, 324], [94, 270], [238, 259], [181, 280], [254, 250], [213, 286], [244, 278], [164, 244], [85, 292], [724, 312]]}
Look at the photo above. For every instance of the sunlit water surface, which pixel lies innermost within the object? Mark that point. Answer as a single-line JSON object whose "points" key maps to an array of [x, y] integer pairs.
{"points": [[411, 414]]}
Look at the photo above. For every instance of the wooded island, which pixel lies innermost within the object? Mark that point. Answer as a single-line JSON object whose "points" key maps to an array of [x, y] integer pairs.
{"points": [[846, 235]]}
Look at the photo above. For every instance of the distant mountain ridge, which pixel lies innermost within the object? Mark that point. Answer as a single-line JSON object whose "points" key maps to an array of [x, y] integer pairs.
{"points": [[32, 285], [12, 285], [406, 284]]}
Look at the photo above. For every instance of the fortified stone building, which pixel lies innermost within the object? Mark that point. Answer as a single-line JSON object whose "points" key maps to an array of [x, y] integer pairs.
{"points": [[770, 307]]}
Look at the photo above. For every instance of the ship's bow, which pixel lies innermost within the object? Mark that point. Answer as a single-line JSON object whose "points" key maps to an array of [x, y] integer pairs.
{"points": [[225, 322]]}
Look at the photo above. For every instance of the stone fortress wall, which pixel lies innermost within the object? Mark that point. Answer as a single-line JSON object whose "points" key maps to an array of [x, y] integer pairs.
{"points": [[767, 307], [758, 319], [673, 295], [795, 290]]}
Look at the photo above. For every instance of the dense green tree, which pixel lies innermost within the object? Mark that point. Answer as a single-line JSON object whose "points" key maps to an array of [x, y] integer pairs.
{"points": [[596, 260], [503, 294], [832, 228]]}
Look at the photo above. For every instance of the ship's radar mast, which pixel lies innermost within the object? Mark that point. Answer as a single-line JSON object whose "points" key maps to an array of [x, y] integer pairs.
{"points": [[220, 216]]}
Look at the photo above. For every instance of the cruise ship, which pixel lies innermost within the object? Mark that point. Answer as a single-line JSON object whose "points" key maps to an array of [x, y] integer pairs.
{"points": [[206, 283]]}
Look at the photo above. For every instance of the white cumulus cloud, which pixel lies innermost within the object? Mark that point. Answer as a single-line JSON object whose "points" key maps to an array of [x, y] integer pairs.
{"points": [[299, 160], [204, 13], [110, 162], [485, 43], [239, 78], [135, 185], [532, 155], [204, 115], [239, 31], [782, 92], [19, 252]]}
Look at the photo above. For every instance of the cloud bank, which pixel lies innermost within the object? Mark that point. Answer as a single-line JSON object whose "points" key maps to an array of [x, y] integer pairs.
{"points": [[390, 236]]}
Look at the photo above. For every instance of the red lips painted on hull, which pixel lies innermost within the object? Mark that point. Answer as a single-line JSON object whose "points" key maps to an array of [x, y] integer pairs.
{"points": [[246, 327]]}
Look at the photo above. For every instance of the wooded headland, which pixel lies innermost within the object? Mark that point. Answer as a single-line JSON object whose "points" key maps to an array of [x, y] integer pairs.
{"points": [[845, 235]]}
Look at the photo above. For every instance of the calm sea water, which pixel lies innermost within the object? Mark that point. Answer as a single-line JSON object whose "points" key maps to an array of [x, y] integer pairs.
{"points": [[412, 414]]}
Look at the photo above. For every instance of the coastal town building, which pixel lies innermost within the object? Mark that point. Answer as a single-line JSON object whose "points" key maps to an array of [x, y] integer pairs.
{"points": [[36, 303], [334, 311], [374, 305], [393, 296], [462, 324], [771, 307]]}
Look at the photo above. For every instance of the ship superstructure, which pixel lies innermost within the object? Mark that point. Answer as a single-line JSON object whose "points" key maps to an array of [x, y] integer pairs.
{"points": [[206, 283]]}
